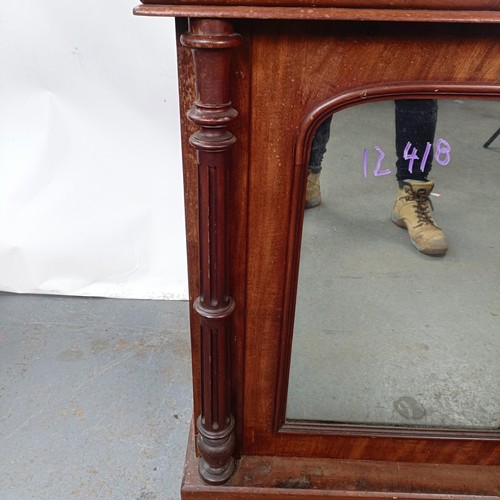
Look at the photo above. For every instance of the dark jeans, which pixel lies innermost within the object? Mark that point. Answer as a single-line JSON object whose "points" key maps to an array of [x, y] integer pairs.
{"points": [[415, 123]]}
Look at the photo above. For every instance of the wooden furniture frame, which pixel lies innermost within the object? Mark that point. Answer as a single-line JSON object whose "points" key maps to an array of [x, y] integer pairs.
{"points": [[256, 80]]}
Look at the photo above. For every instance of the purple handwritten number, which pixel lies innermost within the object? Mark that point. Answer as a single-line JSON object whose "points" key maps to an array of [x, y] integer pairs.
{"points": [[376, 171], [424, 158], [410, 156], [365, 161], [442, 148], [441, 155]]}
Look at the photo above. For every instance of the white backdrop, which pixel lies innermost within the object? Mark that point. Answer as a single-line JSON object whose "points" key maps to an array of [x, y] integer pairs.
{"points": [[90, 169]]}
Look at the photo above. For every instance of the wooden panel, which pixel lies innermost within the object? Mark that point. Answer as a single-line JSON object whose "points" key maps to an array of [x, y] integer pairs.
{"points": [[311, 63], [187, 96]]}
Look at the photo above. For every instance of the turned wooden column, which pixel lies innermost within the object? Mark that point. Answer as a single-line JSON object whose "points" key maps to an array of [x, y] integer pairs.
{"points": [[209, 41]]}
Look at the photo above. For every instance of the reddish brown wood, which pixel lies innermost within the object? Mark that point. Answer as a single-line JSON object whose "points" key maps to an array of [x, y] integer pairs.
{"points": [[284, 78], [236, 214], [318, 63], [319, 13], [265, 476], [209, 41], [355, 4]]}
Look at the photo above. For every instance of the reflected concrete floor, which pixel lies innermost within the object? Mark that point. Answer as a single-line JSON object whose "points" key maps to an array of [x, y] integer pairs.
{"points": [[95, 398], [385, 334]]}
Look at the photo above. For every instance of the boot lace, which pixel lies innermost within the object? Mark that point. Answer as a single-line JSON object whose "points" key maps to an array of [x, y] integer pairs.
{"points": [[423, 205]]}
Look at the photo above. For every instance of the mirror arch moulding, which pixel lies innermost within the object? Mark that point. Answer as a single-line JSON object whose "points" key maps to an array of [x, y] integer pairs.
{"points": [[305, 134]]}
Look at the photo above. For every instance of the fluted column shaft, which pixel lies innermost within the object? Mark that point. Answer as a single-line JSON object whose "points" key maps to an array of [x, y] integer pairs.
{"points": [[209, 41]]}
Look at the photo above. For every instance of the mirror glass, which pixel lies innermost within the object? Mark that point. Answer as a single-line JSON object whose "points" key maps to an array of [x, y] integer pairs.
{"points": [[397, 317]]}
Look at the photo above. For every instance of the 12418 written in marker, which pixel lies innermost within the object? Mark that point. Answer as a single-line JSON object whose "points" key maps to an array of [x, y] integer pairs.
{"points": [[441, 155]]}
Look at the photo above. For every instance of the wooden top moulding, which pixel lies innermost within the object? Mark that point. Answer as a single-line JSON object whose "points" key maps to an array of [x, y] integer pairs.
{"points": [[450, 5], [317, 13], [470, 11]]}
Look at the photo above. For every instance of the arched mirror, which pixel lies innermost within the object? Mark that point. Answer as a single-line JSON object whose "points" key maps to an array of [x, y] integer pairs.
{"points": [[392, 327]]}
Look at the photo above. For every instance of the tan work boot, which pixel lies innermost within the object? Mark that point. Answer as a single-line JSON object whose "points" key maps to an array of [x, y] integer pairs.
{"points": [[313, 192], [412, 211]]}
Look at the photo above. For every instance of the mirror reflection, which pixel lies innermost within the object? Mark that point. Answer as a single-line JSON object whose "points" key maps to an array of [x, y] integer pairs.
{"points": [[398, 306]]}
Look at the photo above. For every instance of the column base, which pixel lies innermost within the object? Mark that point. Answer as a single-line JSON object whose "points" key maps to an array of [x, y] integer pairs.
{"points": [[219, 476]]}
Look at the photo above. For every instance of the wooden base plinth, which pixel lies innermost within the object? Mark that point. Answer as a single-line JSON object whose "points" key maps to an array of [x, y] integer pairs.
{"points": [[306, 478]]}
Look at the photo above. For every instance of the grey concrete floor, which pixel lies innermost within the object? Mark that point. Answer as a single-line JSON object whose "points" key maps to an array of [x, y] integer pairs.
{"points": [[95, 398], [385, 334]]}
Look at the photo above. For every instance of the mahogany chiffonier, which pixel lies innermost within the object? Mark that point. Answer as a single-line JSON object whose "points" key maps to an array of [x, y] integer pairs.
{"points": [[256, 80]]}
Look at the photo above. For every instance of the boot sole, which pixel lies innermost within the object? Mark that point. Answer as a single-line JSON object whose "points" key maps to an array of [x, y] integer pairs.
{"points": [[437, 251], [398, 222], [313, 203]]}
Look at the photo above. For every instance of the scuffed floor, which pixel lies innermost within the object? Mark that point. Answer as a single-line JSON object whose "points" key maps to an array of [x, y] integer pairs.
{"points": [[95, 397]]}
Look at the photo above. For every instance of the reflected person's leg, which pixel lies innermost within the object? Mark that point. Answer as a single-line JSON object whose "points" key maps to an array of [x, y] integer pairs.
{"points": [[318, 150], [415, 128]]}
